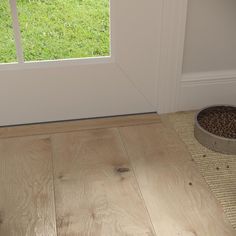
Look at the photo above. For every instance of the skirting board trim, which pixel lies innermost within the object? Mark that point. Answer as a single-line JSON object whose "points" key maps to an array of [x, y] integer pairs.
{"points": [[198, 90], [213, 77]]}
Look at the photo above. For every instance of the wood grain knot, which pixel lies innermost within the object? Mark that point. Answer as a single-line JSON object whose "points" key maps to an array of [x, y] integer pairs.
{"points": [[122, 169], [1, 217]]}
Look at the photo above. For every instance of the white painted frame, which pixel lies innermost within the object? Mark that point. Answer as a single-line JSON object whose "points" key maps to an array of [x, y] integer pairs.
{"points": [[171, 57], [128, 82], [16, 31]]}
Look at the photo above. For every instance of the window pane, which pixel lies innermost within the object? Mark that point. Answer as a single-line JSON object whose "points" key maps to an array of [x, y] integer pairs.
{"points": [[60, 29], [7, 44]]}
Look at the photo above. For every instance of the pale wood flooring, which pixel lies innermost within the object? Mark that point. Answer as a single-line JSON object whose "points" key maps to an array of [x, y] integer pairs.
{"points": [[130, 177]]}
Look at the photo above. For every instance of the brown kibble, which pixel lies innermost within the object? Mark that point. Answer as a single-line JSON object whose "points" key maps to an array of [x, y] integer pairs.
{"points": [[220, 120], [217, 168], [204, 155], [122, 178], [93, 215], [190, 183], [60, 176]]}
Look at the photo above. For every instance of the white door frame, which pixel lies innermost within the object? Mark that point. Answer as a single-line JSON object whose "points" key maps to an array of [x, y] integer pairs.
{"points": [[171, 57], [148, 76]]}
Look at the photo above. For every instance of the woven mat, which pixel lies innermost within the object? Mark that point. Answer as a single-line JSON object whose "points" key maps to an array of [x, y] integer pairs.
{"points": [[219, 170]]}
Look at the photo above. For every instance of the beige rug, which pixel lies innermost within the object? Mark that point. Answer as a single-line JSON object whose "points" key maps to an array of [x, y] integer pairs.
{"points": [[218, 170]]}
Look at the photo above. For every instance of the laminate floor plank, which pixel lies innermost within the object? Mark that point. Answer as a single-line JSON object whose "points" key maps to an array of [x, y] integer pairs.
{"points": [[177, 197], [26, 187], [95, 188], [77, 125]]}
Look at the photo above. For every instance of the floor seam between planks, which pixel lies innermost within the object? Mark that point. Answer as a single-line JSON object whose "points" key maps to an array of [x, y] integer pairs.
{"points": [[134, 172], [53, 181]]}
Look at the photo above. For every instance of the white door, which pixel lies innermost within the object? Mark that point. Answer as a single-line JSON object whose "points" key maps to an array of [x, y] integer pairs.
{"points": [[123, 83]]}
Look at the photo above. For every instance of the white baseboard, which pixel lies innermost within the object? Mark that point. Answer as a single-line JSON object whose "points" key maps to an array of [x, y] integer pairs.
{"points": [[198, 90]]}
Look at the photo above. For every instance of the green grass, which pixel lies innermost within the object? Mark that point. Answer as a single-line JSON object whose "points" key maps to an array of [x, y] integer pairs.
{"points": [[7, 45], [60, 29]]}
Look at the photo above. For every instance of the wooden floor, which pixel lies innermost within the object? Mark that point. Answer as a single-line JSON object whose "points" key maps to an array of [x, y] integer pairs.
{"points": [[125, 176]]}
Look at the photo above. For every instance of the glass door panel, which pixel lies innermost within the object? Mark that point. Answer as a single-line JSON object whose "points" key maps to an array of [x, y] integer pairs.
{"points": [[7, 44], [63, 29]]}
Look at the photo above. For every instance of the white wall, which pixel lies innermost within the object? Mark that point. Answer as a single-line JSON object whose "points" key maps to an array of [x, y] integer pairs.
{"points": [[209, 67], [210, 43]]}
